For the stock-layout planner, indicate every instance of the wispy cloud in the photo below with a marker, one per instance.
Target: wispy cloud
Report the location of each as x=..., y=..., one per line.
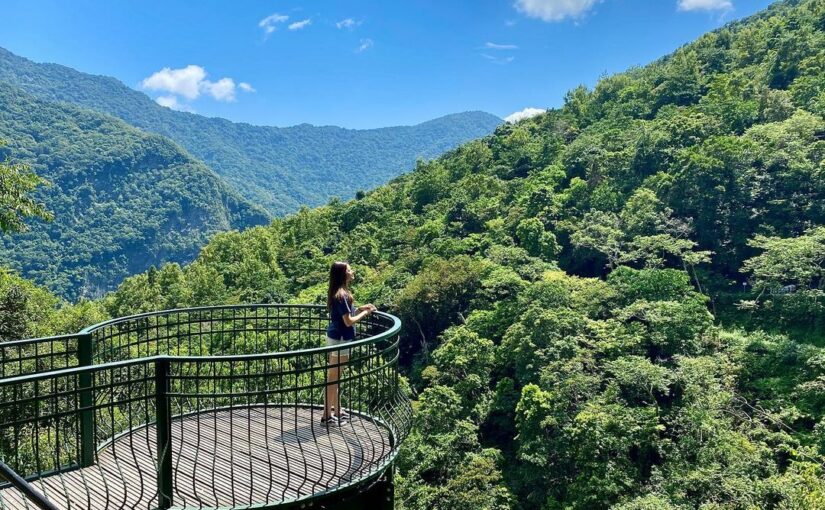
x=271, y=22
x=364, y=45
x=555, y=10
x=298, y=25
x=190, y=83
x=172, y=102
x=705, y=5
x=523, y=114
x=498, y=60
x=347, y=23
x=494, y=46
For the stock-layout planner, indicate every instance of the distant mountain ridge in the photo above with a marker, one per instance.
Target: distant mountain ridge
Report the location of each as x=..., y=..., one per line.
x=123, y=199
x=279, y=169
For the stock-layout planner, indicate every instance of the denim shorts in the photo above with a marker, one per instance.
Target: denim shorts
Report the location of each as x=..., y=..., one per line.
x=341, y=352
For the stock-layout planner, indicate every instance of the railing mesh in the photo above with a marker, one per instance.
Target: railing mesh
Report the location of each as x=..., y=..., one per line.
x=215, y=407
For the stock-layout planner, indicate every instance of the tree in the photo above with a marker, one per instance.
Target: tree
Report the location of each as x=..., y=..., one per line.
x=601, y=232
x=536, y=240
x=25, y=309
x=795, y=261
x=682, y=82
x=789, y=276
x=438, y=296
x=17, y=182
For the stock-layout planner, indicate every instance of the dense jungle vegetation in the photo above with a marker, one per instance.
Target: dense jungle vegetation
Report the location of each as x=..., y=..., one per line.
x=616, y=304
x=279, y=169
x=121, y=199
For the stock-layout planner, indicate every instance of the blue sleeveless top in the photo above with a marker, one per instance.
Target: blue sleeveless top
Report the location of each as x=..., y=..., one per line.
x=337, y=329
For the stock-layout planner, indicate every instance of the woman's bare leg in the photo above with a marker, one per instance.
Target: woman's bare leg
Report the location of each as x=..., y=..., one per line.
x=340, y=373
x=331, y=390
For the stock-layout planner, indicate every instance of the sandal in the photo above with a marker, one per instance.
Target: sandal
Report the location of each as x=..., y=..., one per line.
x=329, y=420
x=343, y=416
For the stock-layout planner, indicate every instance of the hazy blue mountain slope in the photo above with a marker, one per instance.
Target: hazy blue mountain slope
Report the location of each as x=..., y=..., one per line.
x=278, y=168
x=122, y=199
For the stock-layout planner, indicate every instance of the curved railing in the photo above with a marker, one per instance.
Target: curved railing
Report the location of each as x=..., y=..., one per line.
x=213, y=407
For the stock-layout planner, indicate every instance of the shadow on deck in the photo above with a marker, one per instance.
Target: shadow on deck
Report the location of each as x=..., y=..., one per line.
x=225, y=458
x=233, y=396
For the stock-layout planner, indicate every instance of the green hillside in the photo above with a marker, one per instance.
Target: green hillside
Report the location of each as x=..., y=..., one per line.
x=618, y=304
x=557, y=283
x=123, y=200
x=280, y=169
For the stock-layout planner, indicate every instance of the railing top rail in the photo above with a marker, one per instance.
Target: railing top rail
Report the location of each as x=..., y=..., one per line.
x=54, y=374
x=393, y=329
x=26, y=488
x=42, y=339
x=158, y=313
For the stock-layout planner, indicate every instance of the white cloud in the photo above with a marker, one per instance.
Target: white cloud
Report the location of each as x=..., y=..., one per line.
x=221, y=90
x=498, y=60
x=172, y=102
x=347, y=23
x=365, y=45
x=510, y=23
x=185, y=82
x=167, y=101
x=523, y=114
x=705, y=5
x=494, y=46
x=298, y=25
x=189, y=83
x=270, y=23
x=555, y=10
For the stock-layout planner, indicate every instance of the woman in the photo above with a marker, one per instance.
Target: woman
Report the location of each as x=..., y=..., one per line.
x=341, y=329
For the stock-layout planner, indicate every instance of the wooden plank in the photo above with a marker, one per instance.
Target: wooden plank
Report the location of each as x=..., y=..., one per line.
x=229, y=457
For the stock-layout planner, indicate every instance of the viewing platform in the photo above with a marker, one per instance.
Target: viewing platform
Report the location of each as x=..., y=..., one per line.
x=207, y=408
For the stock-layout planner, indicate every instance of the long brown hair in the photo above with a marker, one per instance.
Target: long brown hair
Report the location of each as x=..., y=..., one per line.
x=338, y=289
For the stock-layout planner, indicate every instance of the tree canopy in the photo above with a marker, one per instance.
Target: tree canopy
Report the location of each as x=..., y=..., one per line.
x=17, y=183
x=592, y=298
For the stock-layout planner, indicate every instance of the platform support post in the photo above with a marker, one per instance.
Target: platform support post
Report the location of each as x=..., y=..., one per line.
x=163, y=427
x=85, y=349
x=382, y=494
x=379, y=496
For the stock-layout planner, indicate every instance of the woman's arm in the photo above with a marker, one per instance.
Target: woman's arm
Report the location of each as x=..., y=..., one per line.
x=349, y=320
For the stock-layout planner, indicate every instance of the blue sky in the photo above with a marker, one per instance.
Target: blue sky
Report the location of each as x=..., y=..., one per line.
x=357, y=64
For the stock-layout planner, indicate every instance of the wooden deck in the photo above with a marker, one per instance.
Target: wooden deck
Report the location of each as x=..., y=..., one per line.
x=223, y=458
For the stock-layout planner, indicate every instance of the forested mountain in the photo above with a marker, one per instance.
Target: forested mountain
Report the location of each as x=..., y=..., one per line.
x=122, y=200
x=617, y=304
x=280, y=169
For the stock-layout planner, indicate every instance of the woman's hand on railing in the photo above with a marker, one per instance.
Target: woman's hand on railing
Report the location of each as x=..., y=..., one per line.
x=362, y=312
x=369, y=308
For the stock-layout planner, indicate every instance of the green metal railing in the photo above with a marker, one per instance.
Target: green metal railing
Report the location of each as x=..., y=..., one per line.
x=214, y=407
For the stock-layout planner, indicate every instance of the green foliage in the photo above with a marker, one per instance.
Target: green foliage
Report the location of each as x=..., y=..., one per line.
x=555, y=282
x=16, y=204
x=438, y=295
x=23, y=308
x=122, y=200
x=27, y=311
x=798, y=261
x=789, y=277
x=537, y=241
